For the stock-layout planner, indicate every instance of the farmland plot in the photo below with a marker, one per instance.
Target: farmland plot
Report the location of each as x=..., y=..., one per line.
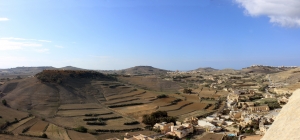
x=71, y=113
x=25, y=125
x=79, y=106
x=80, y=136
x=174, y=107
x=38, y=128
x=188, y=109
x=57, y=133
x=14, y=126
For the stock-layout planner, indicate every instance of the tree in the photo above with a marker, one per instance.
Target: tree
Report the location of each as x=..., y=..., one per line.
x=189, y=91
x=4, y=102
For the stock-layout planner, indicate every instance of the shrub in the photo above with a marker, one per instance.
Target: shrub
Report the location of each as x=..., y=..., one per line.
x=162, y=96
x=95, y=123
x=25, y=129
x=131, y=123
x=44, y=136
x=90, y=119
x=187, y=90
x=81, y=129
x=176, y=101
x=4, y=102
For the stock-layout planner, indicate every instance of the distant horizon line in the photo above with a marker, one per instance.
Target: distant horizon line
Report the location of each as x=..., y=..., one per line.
x=149, y=66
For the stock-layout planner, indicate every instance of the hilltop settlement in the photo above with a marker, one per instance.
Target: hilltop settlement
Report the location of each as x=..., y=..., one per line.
x=143, y=103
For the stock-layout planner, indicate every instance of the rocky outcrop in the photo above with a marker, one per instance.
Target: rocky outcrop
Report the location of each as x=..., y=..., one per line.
x=287, y=123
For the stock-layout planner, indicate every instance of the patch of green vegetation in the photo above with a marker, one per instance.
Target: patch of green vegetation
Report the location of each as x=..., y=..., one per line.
x=131, y=123
x=158, y=116
x=4, y=102
x=81, y=129
x=162, y=96
x=189, y=91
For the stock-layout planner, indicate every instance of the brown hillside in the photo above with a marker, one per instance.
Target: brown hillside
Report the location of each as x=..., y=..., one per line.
x=43, y=94
x=142, y=70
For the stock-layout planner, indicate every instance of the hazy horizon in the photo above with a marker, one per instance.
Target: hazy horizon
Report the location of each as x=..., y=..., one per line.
x=170, y=34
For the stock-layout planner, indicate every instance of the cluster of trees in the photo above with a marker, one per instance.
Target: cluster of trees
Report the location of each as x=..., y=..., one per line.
x=158, y=116
x=58, y=76
x=273, y=105
x=97, y=114
x=96, y=123
x=131, y=123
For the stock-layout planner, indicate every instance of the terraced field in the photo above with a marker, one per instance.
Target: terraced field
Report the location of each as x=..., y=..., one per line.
x=188, y=109
x=57, y=133
x=80, y=136
x=175, y=107
x=38, y=128
x=28, y=124
x=79, y=106
x=15, y=126
x=74, y=113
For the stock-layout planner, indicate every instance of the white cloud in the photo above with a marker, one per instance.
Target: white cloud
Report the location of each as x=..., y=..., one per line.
x=8, y=44
x=42, y=50
x=282, y=12
x=45, y=41
x=4, y=19
x=57, y=46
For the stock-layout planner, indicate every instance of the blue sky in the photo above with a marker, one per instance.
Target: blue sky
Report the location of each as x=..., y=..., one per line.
x=168, y=34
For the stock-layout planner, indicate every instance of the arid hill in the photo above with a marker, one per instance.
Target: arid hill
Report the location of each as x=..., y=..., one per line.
x=264, y=69
x=206, y=69
x=21, y=72
x=291, y=76
x=44, y=93
x=142, y=70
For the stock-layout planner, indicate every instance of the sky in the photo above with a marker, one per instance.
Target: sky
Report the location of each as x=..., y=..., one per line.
x=167, y=34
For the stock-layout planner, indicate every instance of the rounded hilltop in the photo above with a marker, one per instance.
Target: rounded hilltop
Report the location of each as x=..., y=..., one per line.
x=59, y=76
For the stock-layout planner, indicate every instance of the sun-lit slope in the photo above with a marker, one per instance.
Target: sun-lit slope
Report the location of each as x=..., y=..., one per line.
x=151, y=82
x=286, y=125
x=44, y=93
x=291, y=76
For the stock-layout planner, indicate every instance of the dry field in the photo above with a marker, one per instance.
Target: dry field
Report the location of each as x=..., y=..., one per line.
x=57, y=133
x=72, y=113
x=163, y=101
x=80, y=136
x=79, y=106
x=137, y=111
x=29, y=123
x=126, y=95
x=9, y=137
x=151, y=82
x=193, y=114
x=14, y=126
x=174, y=107
x=38, y=128
x=10, y=114
x=188, y=109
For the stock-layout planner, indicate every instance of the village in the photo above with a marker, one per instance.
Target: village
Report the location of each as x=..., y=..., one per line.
x=251, y=106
